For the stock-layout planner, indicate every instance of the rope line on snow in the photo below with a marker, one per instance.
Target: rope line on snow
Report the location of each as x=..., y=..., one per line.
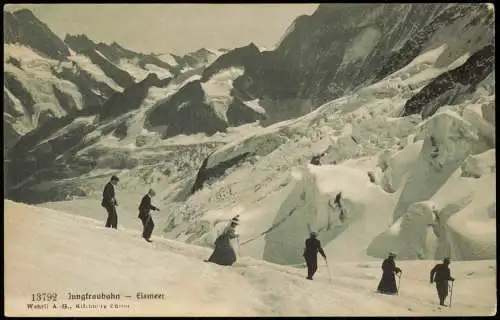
x=274, y=226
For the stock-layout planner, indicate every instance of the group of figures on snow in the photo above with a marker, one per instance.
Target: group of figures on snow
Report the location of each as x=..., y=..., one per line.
x=225, y=254
x=440, y=275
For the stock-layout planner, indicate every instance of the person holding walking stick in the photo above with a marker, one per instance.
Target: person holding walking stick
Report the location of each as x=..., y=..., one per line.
x=441, y=274
x=224, y=252
x=387, y=284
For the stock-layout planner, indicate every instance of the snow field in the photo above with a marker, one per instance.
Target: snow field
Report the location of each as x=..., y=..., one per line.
x=57, y=252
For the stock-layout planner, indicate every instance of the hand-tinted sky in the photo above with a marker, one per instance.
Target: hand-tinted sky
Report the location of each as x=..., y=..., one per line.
x=175, y=28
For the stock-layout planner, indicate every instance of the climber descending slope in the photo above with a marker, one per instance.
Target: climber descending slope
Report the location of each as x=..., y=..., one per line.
x=224, y=253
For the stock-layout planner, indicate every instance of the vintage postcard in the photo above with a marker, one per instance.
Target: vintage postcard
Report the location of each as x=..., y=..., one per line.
x=242, y=160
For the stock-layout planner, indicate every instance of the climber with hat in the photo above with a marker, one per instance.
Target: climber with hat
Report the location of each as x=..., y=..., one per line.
x=387, y=284
x=144, y=214
x=224, y=252
x=109, y=202
x=313, y=246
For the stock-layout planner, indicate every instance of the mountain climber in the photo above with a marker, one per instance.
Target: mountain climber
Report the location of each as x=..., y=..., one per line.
x=109, y=202
x=224, y=253
x=144, y=214
x=338, y=203
x=316, y=159
x=313, y=246
x=387, y=284
x=441, y=274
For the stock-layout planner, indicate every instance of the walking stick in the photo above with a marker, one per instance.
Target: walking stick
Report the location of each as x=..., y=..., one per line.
x=451, y=292
x=329, y=275
x=399, y=283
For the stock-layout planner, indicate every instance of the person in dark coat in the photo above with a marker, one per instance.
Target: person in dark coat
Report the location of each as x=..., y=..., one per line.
x=109, y=202
x=338, y=203
x=224, y=253
x=316, y=159
x=313, y=246
x=144, y=214
x=441, y=275
x=387, y=284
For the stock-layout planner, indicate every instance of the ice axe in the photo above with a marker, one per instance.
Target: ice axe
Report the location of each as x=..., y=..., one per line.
x=328, y=268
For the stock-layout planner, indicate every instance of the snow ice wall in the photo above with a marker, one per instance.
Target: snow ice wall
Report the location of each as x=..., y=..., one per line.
x=309, y=206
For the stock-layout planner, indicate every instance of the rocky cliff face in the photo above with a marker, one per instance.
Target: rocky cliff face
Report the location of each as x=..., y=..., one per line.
x=343, y=47
x=24, y=28
x=448, y=85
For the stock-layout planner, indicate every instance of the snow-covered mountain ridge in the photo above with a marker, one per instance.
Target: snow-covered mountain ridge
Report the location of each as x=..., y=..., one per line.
x=48, y=78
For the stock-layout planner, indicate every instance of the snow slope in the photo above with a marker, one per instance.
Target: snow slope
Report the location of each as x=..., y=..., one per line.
x=57, y=252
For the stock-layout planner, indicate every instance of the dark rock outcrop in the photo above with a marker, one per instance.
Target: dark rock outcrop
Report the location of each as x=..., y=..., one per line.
x=66, y=101
x=473, y=71
x=186, y=113
x=206, y=174
x=131, y=98
x=20, y=92
x=238, y=113
x=94, y=93
x=121, y=77
x=342, y=47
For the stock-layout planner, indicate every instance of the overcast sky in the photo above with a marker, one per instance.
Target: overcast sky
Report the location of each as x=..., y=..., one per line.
x=175, y=28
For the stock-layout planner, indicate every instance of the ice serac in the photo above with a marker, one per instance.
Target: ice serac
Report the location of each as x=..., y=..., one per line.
x=449, y=140
x=24, y=28
x=309, y=206
x=458, y=221
x=411, y=236
x=472, y=230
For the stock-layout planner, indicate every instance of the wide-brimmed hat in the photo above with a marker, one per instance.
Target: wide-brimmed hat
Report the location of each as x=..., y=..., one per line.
x=115, y=178
x=392, y=254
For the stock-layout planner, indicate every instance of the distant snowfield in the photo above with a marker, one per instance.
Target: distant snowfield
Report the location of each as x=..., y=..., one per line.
x=37, y=78
x=97, y=73
x=57, y=252
x=218, y=90
x=168, y=58
x=131, y=66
